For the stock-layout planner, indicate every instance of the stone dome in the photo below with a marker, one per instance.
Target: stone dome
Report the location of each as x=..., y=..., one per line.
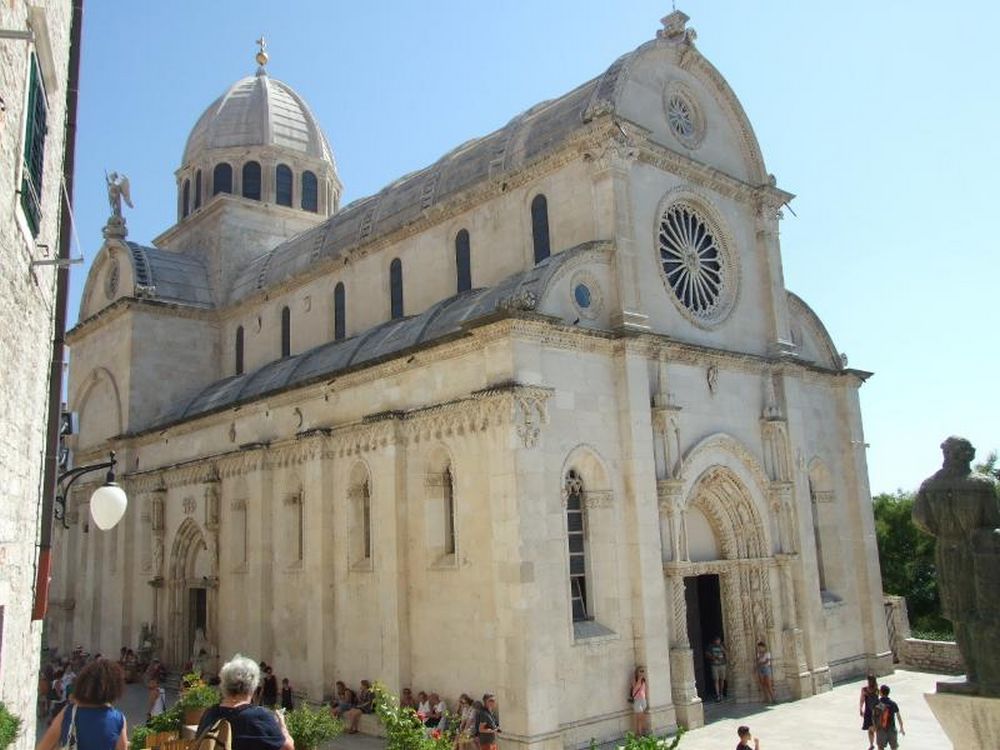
x=259, y=111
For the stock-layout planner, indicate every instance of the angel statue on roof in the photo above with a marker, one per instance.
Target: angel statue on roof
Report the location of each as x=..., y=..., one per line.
x=118, y=190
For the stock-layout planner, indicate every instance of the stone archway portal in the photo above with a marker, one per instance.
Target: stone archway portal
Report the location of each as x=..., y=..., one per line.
x=191, y=595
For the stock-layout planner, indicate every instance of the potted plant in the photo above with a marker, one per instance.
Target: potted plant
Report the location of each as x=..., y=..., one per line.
x=310, y=727
x=195, y=697
x=10, y=725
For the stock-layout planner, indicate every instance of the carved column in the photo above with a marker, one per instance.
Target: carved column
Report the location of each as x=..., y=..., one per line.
x=158, y=530
x=683, y=688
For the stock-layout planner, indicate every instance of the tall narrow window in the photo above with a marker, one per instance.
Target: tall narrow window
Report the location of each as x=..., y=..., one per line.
x=449, y=512
x=540, y=227
x=34, y=150
x=239, y=350
x=251, y=180
x=283, y=185
x=286, y=332
x=339, y=312
x=366, y=520
x=197, y=189
x=463, y=262
x=310, y=192
x=396, y=289
x=186, y=199
x=577, y=540
x=222, y=179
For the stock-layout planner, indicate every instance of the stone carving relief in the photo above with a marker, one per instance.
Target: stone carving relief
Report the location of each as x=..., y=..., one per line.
x=212, y=499
x=671, y=501
x=712, y=378
x=530, y=413
x=189, y=505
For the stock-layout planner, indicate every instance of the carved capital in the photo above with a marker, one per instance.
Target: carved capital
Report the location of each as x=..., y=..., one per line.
x=670, y=495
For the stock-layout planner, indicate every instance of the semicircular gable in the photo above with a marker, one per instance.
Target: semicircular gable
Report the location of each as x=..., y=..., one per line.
x=722, y=134
x=811, y=336
x=111, y=276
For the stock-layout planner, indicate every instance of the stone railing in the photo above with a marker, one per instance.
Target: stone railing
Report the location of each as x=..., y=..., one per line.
x=915, y=653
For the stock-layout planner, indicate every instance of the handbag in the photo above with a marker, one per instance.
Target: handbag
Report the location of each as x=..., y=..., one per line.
x=71, y=734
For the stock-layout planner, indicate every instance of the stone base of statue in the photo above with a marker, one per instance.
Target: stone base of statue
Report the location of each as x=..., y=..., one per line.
x=970, y=721
x=115, y=229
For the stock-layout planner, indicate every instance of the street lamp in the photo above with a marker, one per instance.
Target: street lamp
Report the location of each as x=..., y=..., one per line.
x=107, y=504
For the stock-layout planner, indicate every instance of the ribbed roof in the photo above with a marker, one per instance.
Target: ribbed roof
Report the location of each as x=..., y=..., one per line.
x=529, y=136
x=258, y=111
x=170, y=276
x=441, y=321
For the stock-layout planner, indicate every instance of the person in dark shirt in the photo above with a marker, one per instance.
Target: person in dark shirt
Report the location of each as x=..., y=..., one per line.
x=885, y=716
x=269, y=688
x=287, y=702
x=488, y=723
x=253, y=727
x=746, y=739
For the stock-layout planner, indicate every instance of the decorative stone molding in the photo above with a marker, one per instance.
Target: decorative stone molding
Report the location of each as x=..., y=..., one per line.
x=189, y=505
x=823, y=496
x=238, y=504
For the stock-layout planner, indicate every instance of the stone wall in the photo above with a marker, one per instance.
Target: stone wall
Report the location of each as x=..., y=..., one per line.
x=917, y=653
x=932, y=656
x=26, y=308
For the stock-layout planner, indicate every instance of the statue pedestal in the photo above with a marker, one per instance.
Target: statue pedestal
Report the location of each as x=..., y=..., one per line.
x=970, y=721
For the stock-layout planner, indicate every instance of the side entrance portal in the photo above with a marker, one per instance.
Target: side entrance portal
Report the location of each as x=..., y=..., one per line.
x=703, y=598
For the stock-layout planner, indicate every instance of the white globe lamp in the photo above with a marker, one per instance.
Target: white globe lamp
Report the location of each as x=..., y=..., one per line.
x=107, y=504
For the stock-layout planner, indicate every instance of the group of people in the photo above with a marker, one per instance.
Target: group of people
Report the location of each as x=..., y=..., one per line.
x=718, y=660
x=267, y=693
x=475, y=723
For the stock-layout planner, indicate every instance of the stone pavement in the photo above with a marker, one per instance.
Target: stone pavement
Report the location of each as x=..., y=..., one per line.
x=829, y=720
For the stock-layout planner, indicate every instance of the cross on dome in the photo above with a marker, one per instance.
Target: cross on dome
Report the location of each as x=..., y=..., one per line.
x=262, y=56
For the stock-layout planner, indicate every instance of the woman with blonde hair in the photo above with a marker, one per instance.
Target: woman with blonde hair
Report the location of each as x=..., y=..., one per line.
x=765, y=672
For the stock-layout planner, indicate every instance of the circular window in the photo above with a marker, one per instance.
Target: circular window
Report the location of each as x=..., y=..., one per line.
x=111, y=280
x=585, y=293
x=683, y=116
x=695, y=264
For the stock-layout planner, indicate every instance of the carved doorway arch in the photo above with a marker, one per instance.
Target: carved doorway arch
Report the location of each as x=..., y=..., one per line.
x=191, y=584
x=744, y=568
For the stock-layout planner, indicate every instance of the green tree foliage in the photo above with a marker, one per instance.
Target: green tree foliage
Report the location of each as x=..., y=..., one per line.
x=10, y=725
x=906, y=555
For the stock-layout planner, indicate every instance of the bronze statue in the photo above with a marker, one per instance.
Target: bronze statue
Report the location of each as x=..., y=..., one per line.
x=960, y=507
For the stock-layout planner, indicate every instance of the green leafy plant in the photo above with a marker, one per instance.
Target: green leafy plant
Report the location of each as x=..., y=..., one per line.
x=310, y=727
x=10, y=725
x=196, y=694
x=139, y=736
x=169, y=721
x=403, y=728
x=652, y=742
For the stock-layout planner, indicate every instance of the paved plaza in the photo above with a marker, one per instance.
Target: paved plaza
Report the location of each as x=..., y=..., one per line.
x=829, y=720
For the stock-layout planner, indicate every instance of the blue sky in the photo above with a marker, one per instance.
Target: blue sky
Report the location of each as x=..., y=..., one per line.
x=880, y=116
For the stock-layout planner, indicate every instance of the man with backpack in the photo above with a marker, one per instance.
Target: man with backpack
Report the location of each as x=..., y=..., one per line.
x=885, y=714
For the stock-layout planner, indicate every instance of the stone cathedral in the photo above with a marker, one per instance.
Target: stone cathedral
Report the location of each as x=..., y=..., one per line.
x=535, y=414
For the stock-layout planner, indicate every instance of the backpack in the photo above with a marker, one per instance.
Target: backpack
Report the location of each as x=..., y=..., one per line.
x=219, y=736
x=881, y=716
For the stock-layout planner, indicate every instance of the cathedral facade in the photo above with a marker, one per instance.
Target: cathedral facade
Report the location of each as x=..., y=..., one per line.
x=524, y=419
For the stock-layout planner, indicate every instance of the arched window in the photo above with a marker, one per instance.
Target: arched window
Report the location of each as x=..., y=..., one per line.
x=283, y=185
x=463, y=261
x=360, y=517
x=286, y=332
x=396, y=289
x=239, y=350
x=540, y=227
x=222, y=179
x=186, y=199
x=339, y=312
x=197, y=189
x=576, y=530
x=310, y=192
x=449, y=512
x=251, y=180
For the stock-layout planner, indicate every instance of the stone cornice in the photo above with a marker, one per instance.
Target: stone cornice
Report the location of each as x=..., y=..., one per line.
x=523, y=407
x=123, y=305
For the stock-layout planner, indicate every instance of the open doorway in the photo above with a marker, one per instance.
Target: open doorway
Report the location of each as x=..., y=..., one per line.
x=702, y=595
x=197, y=618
